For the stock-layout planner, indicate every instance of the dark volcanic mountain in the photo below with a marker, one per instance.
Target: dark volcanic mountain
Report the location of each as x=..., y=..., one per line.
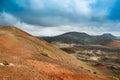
x=108, y=40
x=72, y=37
x=81, y=38
x=106, y=36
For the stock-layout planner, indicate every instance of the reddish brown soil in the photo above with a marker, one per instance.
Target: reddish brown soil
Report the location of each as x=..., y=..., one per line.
x=27, y=54
x=114, y=44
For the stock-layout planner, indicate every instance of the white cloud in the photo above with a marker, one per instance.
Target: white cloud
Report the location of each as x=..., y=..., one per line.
x=90, y=28
x=7, y=19
x=53, y=31
x=82, y=7
x=31, y=4
x=63, y=12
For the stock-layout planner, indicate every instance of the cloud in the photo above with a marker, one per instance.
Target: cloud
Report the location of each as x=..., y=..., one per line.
x=102, y=8
x=62, y=11
x=93, y=28
x=53, y=31
x=7, y=19
x=80, y=6
x=50, y=13
x=53, y=17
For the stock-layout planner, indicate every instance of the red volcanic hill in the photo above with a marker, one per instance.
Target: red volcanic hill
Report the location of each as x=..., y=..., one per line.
x=24, y=57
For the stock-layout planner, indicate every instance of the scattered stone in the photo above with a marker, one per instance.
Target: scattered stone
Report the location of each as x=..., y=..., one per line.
x=1, y=64
x=94, y=72
x=5, y=63
x=11, y=64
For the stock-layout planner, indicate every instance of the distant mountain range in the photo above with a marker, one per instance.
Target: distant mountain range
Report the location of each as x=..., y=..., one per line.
x=106, y=39
x=83, y=38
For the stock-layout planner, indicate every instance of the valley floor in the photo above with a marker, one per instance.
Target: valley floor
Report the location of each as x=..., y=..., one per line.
x=102, y=58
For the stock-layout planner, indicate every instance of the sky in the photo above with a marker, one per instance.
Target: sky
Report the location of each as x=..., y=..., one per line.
x=54, y=17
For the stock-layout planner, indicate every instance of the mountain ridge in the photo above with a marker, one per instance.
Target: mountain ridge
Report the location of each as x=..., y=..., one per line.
x=82, y=38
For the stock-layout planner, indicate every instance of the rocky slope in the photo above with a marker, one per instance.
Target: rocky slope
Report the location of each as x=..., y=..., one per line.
x=24, y=57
